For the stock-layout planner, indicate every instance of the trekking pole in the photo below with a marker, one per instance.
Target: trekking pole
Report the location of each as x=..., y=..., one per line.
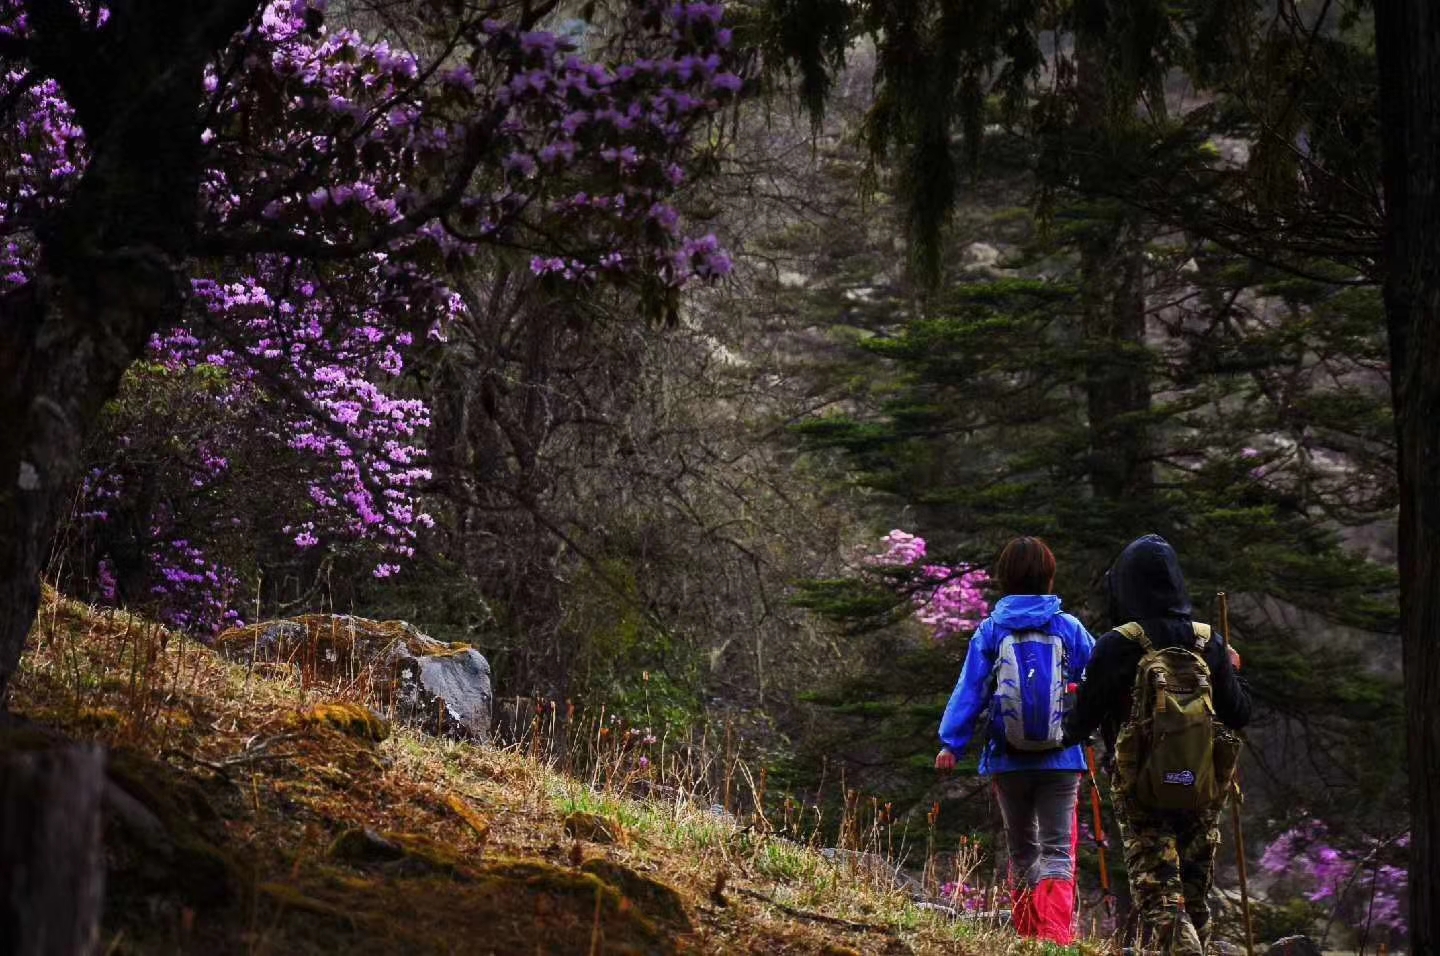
x=1107, y=897
x=1237, y=797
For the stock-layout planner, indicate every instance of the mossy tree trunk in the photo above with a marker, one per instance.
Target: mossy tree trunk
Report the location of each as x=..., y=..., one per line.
x=52, y=871
x=1408, y=44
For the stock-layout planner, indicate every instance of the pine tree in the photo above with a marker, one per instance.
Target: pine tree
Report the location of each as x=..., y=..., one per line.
x=1261, y=167
x=969, y=412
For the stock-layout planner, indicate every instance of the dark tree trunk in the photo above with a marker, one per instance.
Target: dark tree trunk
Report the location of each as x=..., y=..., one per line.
x=1117, y=383
x=111, y=264
x=110, y=270
x=1408, y=47
x=52, y=871
x=65, y=345
x=1112, y=270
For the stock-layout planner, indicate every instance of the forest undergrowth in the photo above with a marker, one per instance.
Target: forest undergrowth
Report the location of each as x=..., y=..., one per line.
x=252, y=810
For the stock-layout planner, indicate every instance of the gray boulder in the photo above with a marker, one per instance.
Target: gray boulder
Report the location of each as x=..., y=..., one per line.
x=1293, y=946
x=442, y=688
x=446, y=693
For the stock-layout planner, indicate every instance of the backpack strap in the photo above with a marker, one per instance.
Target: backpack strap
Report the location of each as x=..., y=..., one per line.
x=1202, y=635
x=1134, y=632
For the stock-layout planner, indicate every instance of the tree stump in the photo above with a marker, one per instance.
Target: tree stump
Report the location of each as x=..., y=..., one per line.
x=52, y=869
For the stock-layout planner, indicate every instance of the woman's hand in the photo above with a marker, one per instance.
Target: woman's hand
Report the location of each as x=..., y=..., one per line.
x=945, y=760
x=1234, y=656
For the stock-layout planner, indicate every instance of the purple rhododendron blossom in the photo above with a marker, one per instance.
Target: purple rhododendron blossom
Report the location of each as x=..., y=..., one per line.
x=969, y=898
x=1350, y=877
x=324, y=137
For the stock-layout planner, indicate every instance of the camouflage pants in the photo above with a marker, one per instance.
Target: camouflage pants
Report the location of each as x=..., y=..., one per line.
x=1170, y=857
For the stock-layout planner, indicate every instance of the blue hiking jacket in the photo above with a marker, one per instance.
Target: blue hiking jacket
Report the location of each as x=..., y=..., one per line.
x=972, y=695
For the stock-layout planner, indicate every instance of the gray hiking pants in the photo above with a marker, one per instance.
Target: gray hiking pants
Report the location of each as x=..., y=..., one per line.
x=1039, y=811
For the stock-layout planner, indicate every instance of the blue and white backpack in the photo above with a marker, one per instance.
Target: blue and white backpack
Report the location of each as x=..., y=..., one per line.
x=1030, y=698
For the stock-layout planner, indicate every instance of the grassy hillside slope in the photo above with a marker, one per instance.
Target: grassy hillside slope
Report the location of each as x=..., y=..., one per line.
x=252, y=814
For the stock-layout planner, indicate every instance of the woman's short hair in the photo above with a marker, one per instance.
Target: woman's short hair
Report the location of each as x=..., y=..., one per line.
x=1026, y=566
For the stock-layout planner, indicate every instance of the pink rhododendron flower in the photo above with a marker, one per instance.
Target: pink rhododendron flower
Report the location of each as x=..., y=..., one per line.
x=948, y=600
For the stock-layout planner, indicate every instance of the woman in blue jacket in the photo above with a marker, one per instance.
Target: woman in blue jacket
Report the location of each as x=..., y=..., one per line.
x=1037, y=781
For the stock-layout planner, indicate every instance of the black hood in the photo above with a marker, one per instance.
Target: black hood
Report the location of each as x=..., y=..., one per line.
x=1145, y=583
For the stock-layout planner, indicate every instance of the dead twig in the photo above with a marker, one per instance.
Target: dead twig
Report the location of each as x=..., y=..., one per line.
x=253, y=752
x=851, y=925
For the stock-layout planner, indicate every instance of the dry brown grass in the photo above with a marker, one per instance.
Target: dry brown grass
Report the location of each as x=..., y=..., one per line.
x=268, y=796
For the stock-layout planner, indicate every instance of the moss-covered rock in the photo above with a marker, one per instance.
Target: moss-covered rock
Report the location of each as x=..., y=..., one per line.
x=398, y=853
x=423, y=854
x=595, y=828
x=574, y=899
x=325, y=645
x=443, y=688
x=661, y=903
x=162, y=835
x=507, y=906
x=362, y=845
x=349, y=718
x=478, y=824
x=289, y=897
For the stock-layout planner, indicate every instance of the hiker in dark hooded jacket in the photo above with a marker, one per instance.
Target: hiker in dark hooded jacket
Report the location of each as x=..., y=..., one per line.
x=1145, y=585
x=1170, y=855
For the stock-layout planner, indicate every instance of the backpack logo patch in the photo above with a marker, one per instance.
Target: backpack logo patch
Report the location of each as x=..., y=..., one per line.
x=1183, y=778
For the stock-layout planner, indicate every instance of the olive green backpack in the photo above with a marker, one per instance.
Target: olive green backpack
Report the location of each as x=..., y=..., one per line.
x=1172, y=754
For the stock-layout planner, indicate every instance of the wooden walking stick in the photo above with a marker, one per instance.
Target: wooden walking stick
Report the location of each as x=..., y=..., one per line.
x=1237, y=797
